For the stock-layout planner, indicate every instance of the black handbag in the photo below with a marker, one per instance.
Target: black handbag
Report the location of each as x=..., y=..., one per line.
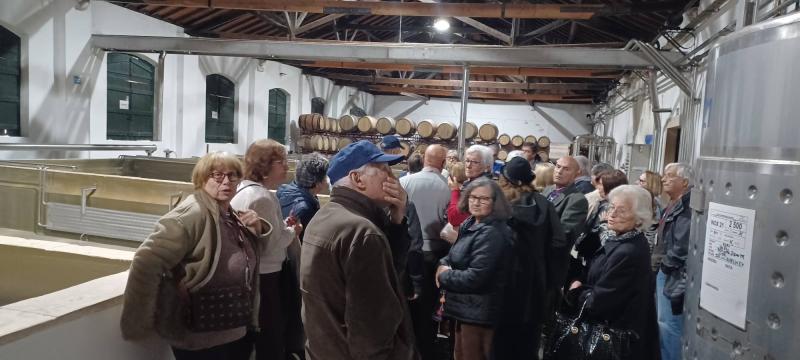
x=580, y=339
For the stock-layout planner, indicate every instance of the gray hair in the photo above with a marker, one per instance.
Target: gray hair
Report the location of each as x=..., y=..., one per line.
x=363, y=170
x=599, y=168
x=642, y=203
x=311, y=170
x=683, y=170
x=501, y=209
x=485, y=153
x=583, y=165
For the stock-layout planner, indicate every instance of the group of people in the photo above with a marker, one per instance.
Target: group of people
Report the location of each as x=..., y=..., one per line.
x=250, y=264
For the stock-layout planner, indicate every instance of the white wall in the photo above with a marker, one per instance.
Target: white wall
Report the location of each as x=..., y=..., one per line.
x=559, y=122
x=92, y=335
x=56, y=48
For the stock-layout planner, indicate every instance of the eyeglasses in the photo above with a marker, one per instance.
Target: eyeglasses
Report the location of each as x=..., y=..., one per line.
x=280, y=162
x=219, y=176
x=472, y=162
x=483, y=200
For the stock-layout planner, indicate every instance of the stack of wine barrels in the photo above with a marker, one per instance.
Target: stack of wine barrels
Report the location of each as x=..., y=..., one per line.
x=488, y=132
x=326, y=134
x=504, y=139
x=385, y=125
x=367, y=124
x=427, y=129
x=516, y=141
x=470, y=130
x=405, y=127
x=446, y=131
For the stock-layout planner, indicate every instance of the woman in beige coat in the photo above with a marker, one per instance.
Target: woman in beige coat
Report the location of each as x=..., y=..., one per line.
x=200, y=252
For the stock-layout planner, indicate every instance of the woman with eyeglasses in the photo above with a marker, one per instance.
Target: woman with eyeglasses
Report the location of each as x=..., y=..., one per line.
x=193, y=280
x=473, y=273
x=265, y=168
x=478, y=162
x=617, y=288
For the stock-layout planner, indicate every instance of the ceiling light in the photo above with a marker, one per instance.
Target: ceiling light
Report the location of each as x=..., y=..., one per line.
x=441, y=25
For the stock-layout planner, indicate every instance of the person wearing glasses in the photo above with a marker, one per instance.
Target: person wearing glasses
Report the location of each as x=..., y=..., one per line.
x=616, y=289
x=478, y=162
x=265, y=168
x=473, y=274
x=200, y=252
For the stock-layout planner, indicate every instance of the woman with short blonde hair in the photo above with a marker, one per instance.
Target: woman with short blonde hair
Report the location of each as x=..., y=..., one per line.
x=544, y=175
x=175, y=288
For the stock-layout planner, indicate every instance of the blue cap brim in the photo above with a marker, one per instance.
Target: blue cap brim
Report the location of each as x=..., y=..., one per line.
x=386, y=158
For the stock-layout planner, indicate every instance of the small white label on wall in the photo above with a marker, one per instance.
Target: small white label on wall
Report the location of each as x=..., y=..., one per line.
x=124, y=104
x=726, y=262
x=214, y=115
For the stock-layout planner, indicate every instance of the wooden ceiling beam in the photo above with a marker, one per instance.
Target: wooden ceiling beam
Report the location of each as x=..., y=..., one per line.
x=483, y=70
x=389, y=8
x=483, y=95
x=477, y=84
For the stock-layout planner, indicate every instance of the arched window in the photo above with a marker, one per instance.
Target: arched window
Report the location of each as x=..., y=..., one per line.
x=131, y=89
x=357, y=111
x=318, y=105
x=9, y=83
x=277, y=115
x=220, y=99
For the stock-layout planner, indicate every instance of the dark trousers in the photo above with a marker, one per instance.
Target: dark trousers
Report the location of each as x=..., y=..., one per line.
x=517, y=341
x=423, y=308
x=236, y=350
x=279, y=316
x=270, y=342
x=473, y=342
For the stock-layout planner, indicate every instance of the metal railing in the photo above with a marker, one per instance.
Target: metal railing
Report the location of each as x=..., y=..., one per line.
x=79, y=147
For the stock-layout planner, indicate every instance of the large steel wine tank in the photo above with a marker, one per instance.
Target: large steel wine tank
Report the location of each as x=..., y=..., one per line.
x=743, y=286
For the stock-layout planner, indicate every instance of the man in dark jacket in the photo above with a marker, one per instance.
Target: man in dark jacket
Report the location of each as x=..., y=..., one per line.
x=584, y=180
x=669, y=256
x=570, y=204
x=299, y=198
x=354, y=306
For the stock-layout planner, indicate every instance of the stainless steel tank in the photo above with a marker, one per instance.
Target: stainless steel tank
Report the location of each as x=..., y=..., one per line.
x=749, y=161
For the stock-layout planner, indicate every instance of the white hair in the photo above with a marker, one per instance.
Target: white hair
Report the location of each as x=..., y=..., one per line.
x=485, y=153
x=513, y=154
x=641, y=203
x=365, y=169
x=681, y=169
x=583, y=165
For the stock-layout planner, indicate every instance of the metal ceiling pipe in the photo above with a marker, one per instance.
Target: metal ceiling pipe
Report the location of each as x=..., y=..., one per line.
x=462, y=123
x=406, y=53
x=655, y=149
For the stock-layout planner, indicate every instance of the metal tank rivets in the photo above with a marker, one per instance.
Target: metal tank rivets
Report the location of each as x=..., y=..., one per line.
x=752, y=192
x=777, y=280
x=782, y=238
x=786, y=196
x=773, y=321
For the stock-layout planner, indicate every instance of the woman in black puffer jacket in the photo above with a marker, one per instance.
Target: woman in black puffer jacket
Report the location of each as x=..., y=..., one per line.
x=474, y=271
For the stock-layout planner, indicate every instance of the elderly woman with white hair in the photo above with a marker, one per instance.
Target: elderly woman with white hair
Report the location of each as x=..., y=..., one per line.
x=617, y=288
x=478, y=161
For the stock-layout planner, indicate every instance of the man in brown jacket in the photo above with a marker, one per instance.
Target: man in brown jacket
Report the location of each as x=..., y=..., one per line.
x=353, y=302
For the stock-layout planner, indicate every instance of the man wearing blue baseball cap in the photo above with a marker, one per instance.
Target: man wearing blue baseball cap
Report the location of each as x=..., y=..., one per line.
x=353, y=302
